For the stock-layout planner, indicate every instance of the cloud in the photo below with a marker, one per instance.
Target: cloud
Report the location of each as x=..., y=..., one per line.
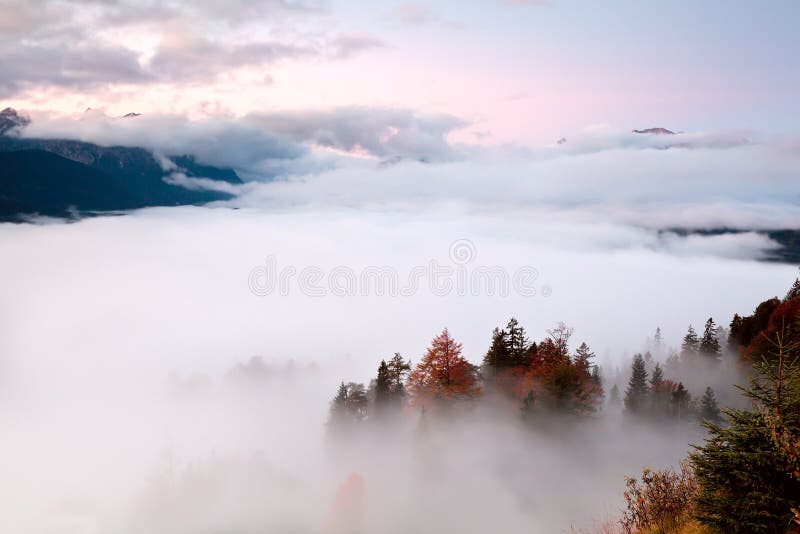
x=263, y=146
x=98, y=44
x=749, y=186
x=411, y=14
x=386, y=134
x=72, y=65
x=602, y=137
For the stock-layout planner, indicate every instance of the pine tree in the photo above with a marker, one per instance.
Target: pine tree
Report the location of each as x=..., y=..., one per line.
x=690, y=343
x=497, y=359
x=383, y=387
x=398, y=368
x=597, y=386
x=583, y=357
x=338, y=409
x=709, y=410
x=636, y=394
x=747, y=481
x=679, y=401
x=613, y=396
x=709, y=345
x=347, y=408
x=597, y=378
x=794, y=291
x=517, y=344
x=657, y=339
x=657, y=378
x=659, y=391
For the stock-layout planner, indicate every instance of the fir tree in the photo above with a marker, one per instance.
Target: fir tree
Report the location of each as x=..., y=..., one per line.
x=709, y=345
x=747, y=481
x=679, y=401
x=658, y=342
x=338, y=410
x=636, y=394
x=383, y=387
x=597, y=385
x=613, y=396
x=516, y=342
x=597, y=379
x=583, y=357
x=497, y=359
x=398, y=368
x=690, y=343
x=348, y=407
x=709, y=410
x=657, y=378
x=659, y=391
x=794, y=291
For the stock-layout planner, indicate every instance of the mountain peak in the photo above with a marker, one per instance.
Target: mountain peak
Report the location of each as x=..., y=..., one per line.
x=654, y=131
x=9, y=118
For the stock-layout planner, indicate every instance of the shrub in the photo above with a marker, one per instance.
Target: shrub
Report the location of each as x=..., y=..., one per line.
x=660, y=502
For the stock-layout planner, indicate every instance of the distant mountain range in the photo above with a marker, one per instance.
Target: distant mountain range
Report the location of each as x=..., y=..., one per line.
x=62, y=177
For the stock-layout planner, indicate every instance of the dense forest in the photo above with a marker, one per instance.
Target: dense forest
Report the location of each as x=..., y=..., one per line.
x=744, y=477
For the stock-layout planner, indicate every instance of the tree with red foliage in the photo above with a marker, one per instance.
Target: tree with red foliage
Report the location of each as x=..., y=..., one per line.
x=442, y=375
x=784, y=319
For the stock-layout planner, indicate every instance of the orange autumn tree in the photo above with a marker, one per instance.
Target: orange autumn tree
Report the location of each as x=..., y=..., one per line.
x=442, y=375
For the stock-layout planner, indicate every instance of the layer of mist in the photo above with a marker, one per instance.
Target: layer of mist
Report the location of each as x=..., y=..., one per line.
x=120, y=411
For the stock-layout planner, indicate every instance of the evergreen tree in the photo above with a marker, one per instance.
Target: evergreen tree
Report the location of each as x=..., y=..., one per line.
x=517, y=344
x=338, y=410
x=397, y=369
x=383, y=387
x=597, y=385
x=679, y=401
x=498, y=358
x=636, y=394
x=747, y=481
x=657, y=378
x=658, y=342
x=613, y=396
x=794, y=291
x=690, y=343
x=583, y=357
x=709, y=410
x=348, y=407
x=597, y=379
x=709, y=345
x=659, y=391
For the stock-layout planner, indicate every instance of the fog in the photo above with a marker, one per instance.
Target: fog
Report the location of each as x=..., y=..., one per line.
x=119, y=411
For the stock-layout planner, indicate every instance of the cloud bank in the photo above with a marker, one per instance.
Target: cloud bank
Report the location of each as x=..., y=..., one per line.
x=80, y=45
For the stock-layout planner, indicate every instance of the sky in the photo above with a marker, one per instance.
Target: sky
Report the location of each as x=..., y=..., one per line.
x=514, y=71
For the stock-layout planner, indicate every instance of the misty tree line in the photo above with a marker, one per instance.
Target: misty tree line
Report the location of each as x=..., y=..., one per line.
x=745, y=478
x=655, y=396
x=541, y=377
x=537, y=377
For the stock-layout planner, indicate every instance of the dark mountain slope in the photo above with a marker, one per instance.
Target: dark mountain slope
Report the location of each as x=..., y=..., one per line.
x=55, y=186
x=134, y=166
